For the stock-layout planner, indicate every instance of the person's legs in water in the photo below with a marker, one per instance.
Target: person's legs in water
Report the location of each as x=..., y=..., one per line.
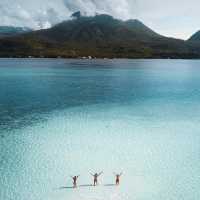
x=74, y=183
x=117, y=181
x=95, y=182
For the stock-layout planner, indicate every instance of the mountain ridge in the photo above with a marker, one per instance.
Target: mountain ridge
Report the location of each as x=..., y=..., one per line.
x=195, y=37
x=9, y=31
x=98, y=36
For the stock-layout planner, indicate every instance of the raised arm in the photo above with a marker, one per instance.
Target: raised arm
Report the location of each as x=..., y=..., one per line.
x=100, y=173
x=121, y=173
x=91, y=174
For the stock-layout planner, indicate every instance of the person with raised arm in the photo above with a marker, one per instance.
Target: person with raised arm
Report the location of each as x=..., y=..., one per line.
x=75, y=178
x=96, y=175
x=117, y=180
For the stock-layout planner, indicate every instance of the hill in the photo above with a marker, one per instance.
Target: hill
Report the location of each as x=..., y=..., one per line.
x=98, y=36
x=8, y=31
x=195, y=37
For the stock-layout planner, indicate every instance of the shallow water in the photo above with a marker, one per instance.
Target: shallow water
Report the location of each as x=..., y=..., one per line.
x=66, y=117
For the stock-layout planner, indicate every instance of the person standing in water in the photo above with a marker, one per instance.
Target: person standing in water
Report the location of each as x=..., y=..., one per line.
x=74, y=178
x=117, y=180
x=96, y=175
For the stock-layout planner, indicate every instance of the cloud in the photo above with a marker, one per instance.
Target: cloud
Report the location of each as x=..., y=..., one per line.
x=178, y=18
x=118, y=8
x=18, y=13
x=47, y=18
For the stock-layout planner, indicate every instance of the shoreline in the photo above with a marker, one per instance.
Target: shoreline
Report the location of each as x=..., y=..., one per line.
x=100, y=58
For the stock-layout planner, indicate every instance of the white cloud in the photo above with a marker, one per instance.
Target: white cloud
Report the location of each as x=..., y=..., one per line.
x=118, y=8
x=36, y=15
x=179, y=18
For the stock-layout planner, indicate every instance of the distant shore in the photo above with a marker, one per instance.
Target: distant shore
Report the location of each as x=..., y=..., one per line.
x=93, y=58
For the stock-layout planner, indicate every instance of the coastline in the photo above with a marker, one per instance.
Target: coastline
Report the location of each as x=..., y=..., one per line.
x=102, y=58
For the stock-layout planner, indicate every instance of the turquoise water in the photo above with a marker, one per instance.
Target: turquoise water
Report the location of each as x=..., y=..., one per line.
x=67, y=117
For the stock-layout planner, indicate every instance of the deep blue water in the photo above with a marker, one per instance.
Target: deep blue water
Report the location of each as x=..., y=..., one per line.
x=41, y=86
x=59, y=117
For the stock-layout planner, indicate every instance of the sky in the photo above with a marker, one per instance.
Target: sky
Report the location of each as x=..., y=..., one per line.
x=173, y=18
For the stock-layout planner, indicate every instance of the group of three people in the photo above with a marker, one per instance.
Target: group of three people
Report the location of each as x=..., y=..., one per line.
x=95, y=180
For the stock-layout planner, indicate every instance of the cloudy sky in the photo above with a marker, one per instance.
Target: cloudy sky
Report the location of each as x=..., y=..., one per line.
x=175, y=18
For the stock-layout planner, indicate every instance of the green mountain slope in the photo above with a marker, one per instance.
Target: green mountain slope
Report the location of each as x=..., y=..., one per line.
x=98, y=36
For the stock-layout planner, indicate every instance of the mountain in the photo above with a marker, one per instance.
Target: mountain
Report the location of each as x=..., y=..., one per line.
x=7, y=31
x=98, y=36
x=195, y=37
